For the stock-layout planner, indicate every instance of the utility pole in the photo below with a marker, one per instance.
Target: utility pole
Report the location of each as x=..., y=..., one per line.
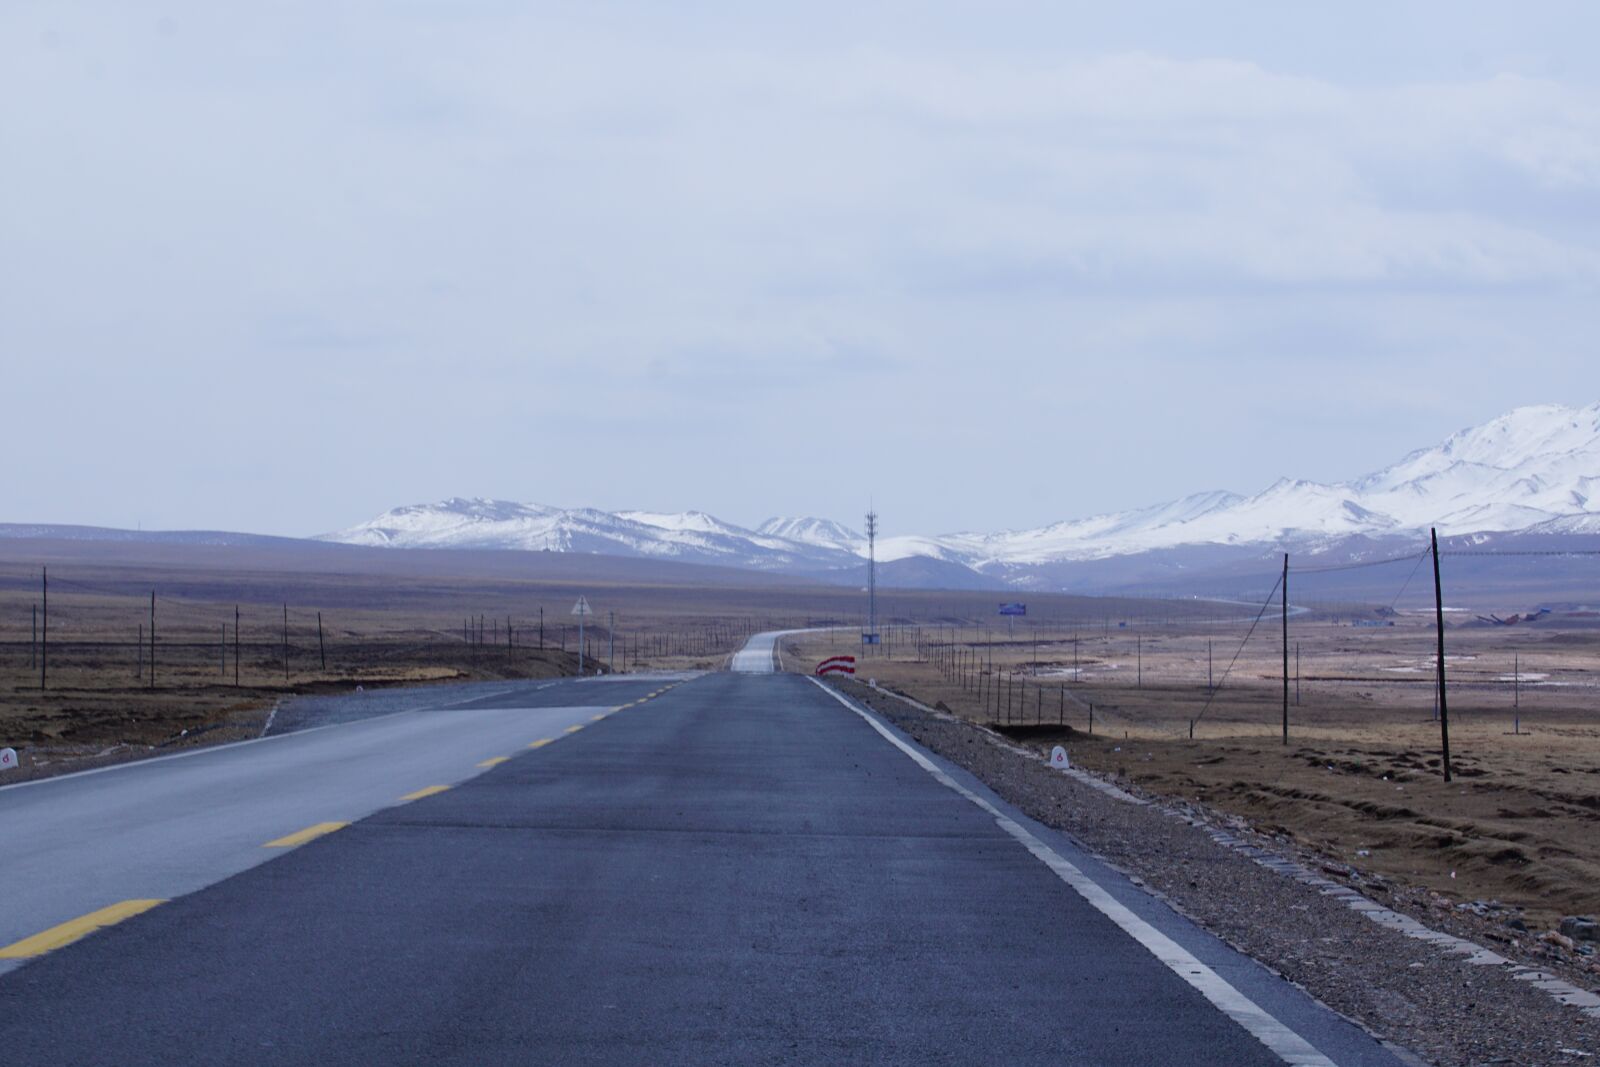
x=44, y=630
x=286, y=641
x=611, y=642
x=1284, y=599
x=152, y=639
x=872, y=577
x=541, y=627
x=322, y=650
x=236, y=645
x=1516, y=693
x=1438, y=621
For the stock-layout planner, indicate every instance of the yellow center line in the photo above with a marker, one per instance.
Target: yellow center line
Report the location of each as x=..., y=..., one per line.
x=493, y=761
x=70, y=931
x=300, y=837
x=600, y=716
x=574, y=729
x=426, y=791
x=543, y=741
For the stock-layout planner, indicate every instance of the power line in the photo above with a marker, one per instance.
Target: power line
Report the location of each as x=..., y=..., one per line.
x=1359, y=566
x=1521, y=552
x=1264, y=606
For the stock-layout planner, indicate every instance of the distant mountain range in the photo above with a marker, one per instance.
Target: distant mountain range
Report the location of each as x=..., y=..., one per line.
x=1528, y=477
x=1535, y=470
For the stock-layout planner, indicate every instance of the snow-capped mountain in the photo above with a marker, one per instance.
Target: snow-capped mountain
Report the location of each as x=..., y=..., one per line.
x=478, y=523
x=1534, y=469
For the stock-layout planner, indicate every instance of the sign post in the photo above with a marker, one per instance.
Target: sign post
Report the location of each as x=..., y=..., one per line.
x=1011, y=611
x=582, y=610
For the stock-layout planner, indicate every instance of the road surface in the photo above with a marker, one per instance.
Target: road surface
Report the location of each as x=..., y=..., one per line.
x=154, y=830
x=740, y=869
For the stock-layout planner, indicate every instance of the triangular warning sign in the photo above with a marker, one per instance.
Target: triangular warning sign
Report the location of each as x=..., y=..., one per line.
x=582, y=607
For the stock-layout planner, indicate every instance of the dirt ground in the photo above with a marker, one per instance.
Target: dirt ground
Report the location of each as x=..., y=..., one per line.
x=1360, y=779
x=300, y=617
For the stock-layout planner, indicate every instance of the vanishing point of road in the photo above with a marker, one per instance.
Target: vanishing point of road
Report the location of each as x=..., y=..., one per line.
x=739, y=867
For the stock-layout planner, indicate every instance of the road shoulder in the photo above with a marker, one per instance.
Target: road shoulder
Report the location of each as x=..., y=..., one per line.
x=1445, y=1008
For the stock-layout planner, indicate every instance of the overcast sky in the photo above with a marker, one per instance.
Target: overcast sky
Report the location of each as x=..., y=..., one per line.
x=279, y=267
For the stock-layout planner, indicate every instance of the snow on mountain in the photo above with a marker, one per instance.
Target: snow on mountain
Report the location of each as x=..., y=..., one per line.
x=478, y=523
x=1527, y=467
x=1533, y=468
x=823, y=532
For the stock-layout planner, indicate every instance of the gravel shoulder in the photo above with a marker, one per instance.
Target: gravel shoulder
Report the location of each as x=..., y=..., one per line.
x=1440, y=1007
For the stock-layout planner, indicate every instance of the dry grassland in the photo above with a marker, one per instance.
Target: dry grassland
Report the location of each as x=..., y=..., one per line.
x=388, y=618
x=1360, y=777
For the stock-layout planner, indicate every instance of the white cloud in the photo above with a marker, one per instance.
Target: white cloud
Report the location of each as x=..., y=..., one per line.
x=424, y=204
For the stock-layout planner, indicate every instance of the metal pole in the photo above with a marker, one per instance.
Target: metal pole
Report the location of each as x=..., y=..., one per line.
x=580, y=645
x=44, y=630
x=236, y=644
x=152, y=639
x=1438, y=621
x=872, y=573
x=1285, y=603
x=611, y=638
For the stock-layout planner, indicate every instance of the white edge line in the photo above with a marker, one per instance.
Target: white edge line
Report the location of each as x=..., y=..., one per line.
x=1284, y=1042
x=1563, y=992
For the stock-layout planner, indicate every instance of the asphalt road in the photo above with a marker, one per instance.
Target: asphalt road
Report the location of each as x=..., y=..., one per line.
x=739, y=870
x=757, y=655
x=154, y=830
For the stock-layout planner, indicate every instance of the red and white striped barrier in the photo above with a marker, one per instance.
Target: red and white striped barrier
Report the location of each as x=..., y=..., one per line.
x=837, y=665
